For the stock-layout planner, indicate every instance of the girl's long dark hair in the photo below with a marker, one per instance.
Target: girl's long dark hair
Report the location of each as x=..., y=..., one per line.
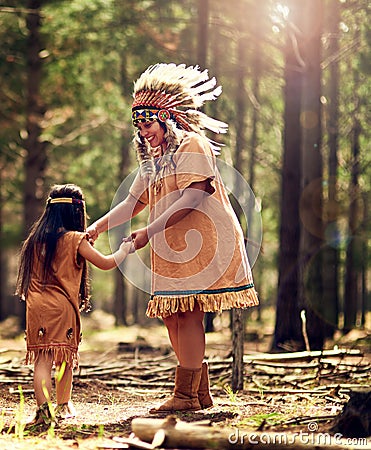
x=56, y=220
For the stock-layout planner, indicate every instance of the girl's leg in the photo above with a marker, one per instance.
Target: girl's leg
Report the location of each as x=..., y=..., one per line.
x=42, y=380
x=63, y=383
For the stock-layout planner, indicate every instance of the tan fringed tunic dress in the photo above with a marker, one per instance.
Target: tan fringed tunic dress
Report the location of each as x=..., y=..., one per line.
x=202, y=258
x=52, y=311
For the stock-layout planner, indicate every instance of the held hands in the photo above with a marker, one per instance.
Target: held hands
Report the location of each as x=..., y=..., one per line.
x=92, y=233
x=128, y=242
x=140, y=238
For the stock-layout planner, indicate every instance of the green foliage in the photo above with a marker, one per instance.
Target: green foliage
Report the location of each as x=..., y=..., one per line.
x=94, y=49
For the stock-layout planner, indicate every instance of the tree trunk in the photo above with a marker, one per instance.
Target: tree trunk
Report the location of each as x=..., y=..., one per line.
x=287, y=334
x=36, y=157
x=202, y=46
x=2, y=265
x=120, y=296
x=238, y=337
x=353, y=253
x=364, y=258
x=311, y=202
x=120, y=299
x=203, y=28
x=238, y=314
x=331, y=209
x=252, y=229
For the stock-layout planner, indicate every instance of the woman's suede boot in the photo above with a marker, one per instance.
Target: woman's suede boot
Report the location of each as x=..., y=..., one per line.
x=185, y=398
x=204, y=394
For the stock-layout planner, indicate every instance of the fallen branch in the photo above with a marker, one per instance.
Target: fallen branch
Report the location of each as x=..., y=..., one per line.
x=172, y=433
x=300, y=355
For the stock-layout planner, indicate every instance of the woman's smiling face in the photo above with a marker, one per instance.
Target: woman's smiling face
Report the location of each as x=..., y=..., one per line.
x=152, y=132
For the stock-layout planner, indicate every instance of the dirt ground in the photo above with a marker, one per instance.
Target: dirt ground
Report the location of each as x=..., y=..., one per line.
x=126, y=371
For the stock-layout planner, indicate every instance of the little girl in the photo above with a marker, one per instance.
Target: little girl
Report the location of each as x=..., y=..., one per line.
x=53, y=281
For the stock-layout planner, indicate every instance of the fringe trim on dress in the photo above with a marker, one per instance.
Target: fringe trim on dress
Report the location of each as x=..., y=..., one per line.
x=165, y=306
x=59, y=353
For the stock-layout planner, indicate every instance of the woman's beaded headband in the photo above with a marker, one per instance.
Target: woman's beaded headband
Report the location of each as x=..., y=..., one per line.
x=148, y=114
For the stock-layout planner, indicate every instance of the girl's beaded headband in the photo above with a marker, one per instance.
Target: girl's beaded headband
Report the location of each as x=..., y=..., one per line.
x=64, y=200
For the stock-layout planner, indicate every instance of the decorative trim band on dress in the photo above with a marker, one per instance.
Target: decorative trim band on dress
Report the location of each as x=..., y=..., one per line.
x=162, y=305
x=60, y=353
x=207, y=291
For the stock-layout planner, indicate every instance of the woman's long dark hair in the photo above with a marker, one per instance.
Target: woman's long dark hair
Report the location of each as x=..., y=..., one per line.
x=56, y=220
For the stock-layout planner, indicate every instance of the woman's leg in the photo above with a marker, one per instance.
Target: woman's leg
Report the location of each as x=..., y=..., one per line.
x=187, y=337
x=171, y=324
x=42, y=380
x=191, y=339
x=63, y=383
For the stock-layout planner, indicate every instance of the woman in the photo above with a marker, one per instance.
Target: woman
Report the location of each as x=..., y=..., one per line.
x=198, y=258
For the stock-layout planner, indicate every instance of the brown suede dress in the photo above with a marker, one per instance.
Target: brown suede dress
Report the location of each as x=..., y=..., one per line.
x=52, y=310
x=201, y=259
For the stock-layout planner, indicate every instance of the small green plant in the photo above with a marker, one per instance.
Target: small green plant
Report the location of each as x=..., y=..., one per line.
x=111, y=398
x=51, y=432
x=19, y=424
x=2, y=421
x=101, y=431
x=232, y=395
x=59, y=372
x=260, y=387
x=258, y=419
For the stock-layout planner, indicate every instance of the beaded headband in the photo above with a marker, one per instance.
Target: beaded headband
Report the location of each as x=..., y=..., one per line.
x=149, y=114
x=65, y=200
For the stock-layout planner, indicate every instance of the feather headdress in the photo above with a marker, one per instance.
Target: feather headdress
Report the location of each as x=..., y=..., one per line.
x=172, y=94
x=175, y=92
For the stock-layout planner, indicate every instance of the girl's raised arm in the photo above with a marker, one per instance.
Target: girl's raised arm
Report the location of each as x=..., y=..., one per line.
x=105, y=262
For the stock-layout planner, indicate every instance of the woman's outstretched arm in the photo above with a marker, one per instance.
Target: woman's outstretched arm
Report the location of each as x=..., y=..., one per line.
x=191, y=197
x=120, y=214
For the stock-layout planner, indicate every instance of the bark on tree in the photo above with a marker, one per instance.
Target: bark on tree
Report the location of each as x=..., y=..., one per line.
x=288, y=327
x=2, y=265
x=241, y=107
x=238, y=337
x=120, y=306
x=120, y=295
x=365, y=229
x=352, y=294
x=36, y=158
x=311, y=202
x=203, y=28
x=252, y=228
x=354, y=250
x=202, y=50
x=120, y=299
x=331, y=207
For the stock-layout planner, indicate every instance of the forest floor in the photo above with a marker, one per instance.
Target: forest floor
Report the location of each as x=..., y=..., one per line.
x=127, y=370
